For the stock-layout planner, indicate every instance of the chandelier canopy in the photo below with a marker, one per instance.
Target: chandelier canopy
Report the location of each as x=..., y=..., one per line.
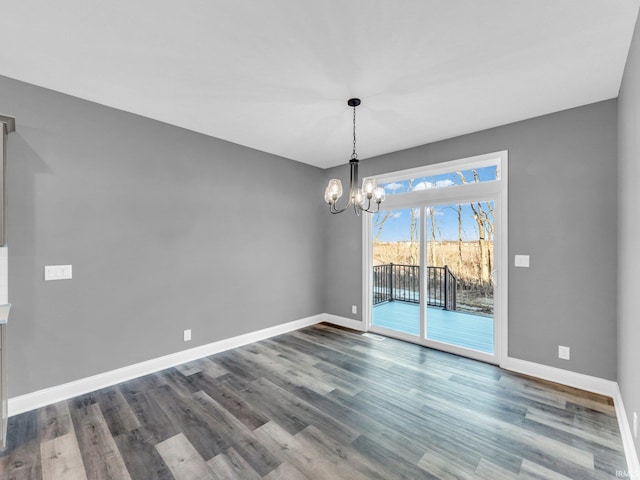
x=363, y=199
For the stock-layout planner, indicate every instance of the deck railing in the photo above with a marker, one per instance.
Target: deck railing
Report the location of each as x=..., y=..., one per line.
x=402, y=282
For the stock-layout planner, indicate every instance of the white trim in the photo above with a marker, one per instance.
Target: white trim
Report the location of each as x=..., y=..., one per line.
x=434, y=196
x=633, y=465
x=47, y=396
x=502, y=247
x=367, y=273
x=559, y=375
x=439, y=168
x=344, y=322
x=423, y=266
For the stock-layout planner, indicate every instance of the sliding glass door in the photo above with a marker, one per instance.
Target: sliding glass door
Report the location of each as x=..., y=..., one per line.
x=433, y=257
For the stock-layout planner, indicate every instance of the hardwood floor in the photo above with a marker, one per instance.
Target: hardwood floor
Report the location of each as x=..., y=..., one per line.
x=321, y=403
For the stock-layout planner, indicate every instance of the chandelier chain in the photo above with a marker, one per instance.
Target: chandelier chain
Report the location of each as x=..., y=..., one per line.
x=354, y=155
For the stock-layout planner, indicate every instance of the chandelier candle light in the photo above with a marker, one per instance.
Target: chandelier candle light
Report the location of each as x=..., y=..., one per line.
x=362, y=199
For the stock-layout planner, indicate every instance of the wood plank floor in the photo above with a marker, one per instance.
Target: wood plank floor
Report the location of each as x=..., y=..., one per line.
x=321, y=403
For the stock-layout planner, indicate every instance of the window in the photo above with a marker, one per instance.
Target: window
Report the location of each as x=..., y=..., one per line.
x=449, y=179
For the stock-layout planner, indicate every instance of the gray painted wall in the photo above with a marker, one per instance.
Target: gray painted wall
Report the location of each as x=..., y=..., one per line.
x=166, y=230
x=629, y=233
x=562, y=212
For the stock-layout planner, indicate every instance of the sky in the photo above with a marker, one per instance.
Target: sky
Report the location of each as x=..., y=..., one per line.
x=397, y=226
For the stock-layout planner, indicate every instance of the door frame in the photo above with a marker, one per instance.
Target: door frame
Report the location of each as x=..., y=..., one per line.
x=496, y=191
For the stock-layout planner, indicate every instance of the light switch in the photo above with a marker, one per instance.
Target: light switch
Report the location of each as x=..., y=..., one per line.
x=522, y=261
x=58, y=272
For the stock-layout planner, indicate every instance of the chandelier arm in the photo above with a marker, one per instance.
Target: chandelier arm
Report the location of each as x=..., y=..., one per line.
x=334, y=210
x=368, y=209
x=346, y=205
x=357, y=209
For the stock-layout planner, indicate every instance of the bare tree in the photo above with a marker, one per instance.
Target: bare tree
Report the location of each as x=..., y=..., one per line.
x=480, y=217
x=414, y=234
x=458, y=209
x=380, y=223
x=484, y=220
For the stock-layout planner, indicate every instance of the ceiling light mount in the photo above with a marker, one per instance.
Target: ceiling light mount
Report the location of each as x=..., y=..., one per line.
x=363, y=199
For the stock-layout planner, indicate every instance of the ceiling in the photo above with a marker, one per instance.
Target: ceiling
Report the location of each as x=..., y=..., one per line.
x=275, y=75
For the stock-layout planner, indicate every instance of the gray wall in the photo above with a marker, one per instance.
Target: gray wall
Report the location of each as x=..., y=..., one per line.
x=166, y=230
x=562, y=212
x=629, y=233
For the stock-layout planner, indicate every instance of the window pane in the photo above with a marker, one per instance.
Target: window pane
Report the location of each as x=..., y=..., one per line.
x=396, y=270
x=475, y=175
x=459, y=282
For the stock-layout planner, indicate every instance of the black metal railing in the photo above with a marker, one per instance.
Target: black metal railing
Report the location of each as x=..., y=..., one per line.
x=402, y=282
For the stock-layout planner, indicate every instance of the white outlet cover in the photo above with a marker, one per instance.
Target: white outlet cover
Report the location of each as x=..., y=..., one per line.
x=564, y=352
x=522, y=261
x=187, y=335
x=354, y=309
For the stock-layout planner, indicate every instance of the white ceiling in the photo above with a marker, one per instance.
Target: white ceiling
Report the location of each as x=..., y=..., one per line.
x=275, y=74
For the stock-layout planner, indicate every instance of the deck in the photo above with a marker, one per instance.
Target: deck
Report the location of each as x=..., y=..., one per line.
x=455, y=328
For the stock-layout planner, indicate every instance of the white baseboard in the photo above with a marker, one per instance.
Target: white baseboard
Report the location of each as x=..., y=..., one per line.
x=627, y=438
x=47, y=396
x=558, y=375
x=344, y=322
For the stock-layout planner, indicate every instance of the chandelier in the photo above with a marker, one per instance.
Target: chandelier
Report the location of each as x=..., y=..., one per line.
x=363, y=199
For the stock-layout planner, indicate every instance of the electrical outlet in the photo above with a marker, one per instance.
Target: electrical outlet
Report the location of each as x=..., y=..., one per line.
x=564, y=352
x=354, y=309
x=635, y=424
x=187, y=335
